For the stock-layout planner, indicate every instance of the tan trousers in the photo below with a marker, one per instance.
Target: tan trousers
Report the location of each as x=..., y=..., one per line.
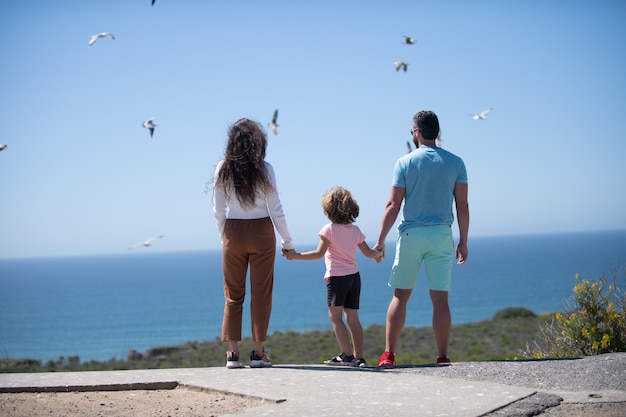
x=248, y=243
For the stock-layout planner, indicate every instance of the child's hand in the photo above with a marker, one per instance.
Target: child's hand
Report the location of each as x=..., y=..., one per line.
x=288, y=253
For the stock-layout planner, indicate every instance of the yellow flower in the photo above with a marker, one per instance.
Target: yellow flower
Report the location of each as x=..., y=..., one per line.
x=594, y=346
x=577, y=276
x=611, y=307
x=585, y=332
x=538, y=355
x=563, y=332
x=558, y=316
x=605, y=340
x=578, y=288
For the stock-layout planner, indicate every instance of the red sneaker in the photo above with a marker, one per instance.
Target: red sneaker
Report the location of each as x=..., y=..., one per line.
x=387, y=359
x=443, y=359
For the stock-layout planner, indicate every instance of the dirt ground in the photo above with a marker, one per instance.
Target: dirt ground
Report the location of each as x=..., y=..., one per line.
x=137, y=403
x=586, y=410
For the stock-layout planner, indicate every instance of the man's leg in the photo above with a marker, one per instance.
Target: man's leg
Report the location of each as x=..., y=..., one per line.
x=442, y=320
x=396, y=316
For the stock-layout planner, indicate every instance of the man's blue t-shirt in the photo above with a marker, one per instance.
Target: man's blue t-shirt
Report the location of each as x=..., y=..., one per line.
x=428, y=175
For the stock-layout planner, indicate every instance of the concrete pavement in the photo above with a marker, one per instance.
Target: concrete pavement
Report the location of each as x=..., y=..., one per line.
x=472, y=389
x=299, y=390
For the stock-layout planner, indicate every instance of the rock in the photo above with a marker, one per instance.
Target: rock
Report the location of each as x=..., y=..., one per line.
x=133, y=355
x=161, y=353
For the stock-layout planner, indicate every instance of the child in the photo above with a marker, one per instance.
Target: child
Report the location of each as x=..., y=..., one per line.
x=338, y=243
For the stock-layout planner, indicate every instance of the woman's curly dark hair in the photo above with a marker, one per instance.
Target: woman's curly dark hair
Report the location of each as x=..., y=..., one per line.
x=243, y=169
x=339, y=206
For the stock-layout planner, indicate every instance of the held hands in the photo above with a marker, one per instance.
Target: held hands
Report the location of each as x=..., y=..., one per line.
x=380, y=248
x=288, y=253
x=379, y=259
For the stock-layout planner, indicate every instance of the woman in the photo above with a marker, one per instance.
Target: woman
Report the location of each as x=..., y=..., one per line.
x=247, y=208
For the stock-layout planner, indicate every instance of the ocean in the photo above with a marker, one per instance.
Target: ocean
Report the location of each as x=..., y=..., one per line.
x=100, y=307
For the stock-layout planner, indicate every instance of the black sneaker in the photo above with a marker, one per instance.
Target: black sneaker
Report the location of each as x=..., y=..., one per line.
x=259, y=360
x=341, y=360
x=360, y=363
x=232, y=360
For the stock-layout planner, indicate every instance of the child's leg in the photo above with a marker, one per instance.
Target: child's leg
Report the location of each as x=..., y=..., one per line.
x=341, y=332
x=356, y=331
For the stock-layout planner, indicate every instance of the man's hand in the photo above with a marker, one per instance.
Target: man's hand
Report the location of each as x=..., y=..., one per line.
x=461, y=253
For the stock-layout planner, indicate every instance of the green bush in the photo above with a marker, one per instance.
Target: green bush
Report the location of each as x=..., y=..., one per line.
x=514, y=313
x=595, y=324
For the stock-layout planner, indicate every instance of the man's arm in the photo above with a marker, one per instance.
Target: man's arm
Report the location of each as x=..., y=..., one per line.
x=392, y=208
x=462, y=218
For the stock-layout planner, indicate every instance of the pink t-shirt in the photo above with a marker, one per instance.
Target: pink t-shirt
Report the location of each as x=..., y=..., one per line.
x=340, y=257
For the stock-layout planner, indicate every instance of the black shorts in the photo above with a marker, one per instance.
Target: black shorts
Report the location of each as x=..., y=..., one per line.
x=344, y=291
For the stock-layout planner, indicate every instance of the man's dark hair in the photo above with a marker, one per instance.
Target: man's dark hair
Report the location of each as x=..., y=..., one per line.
x=428, y=123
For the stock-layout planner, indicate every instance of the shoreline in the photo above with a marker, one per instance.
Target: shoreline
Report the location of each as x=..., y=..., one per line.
x=508, y=332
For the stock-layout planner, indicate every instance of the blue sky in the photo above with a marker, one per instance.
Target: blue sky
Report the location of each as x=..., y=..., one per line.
x=81, y=176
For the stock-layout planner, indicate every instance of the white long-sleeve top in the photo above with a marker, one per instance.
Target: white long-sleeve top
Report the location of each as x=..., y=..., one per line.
x=228, y=207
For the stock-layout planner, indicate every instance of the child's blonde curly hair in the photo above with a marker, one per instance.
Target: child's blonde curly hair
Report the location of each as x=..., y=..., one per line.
x=339, y=206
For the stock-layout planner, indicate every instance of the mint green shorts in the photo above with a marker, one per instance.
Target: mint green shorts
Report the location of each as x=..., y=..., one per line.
x=431, y=245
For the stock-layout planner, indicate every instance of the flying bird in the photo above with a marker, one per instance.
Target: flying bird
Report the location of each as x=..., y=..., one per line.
x=145, y=243
x=400, y=65
x=273, y=124
x=94, y=38
x=482, y=115
x=149, y=125
x=408, y=40
x=408, y=147
x=3, y=147
x=153, y=2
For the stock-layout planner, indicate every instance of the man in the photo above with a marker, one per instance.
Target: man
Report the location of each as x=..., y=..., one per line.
x=428, y=180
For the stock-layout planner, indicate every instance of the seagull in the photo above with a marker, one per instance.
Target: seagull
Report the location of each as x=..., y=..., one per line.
x=94, y=38
x=272, y=125
x=482, y=115
x=149, y=125
x=3, y=147
x=401, y=65
x=153, y=2
x=145, y=243
x=408, y=40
